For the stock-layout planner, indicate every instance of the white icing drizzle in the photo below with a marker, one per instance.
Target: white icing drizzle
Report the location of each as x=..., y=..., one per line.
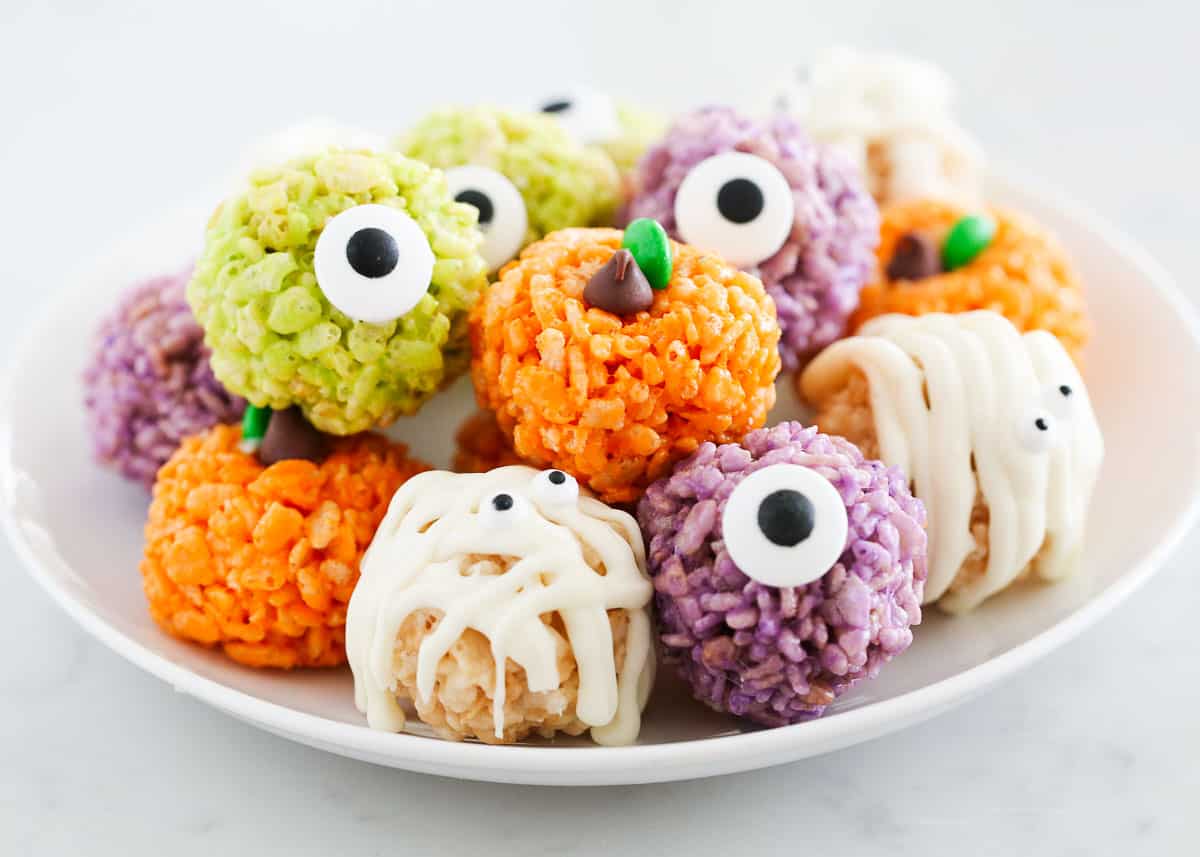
x=436, y=523
x=984, y=381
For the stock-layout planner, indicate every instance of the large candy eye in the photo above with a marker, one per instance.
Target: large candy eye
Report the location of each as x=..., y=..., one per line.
x=555, y=488
x=588, y=116
x=373, y=262
x=502, y=216
x=502, y=509
x=1038, y=430
x=737, y=205
x=785, y=525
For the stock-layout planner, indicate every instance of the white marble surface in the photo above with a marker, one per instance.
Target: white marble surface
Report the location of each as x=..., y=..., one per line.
x=109, y=113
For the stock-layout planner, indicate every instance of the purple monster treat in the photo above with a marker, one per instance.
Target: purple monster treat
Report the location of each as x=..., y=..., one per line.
x=786, y=569
x=149, y=384
x=764, y=196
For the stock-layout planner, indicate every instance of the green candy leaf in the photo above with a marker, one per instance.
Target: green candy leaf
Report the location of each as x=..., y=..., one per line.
x=967, y=238
x=651, y=249
x=254, y=426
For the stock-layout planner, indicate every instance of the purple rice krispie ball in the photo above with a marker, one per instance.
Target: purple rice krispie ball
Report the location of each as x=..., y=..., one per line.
x=786, y=569
x=767, y=198
x=149, y=384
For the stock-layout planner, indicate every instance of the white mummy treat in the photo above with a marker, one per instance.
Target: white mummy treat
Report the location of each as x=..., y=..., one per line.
x=994, y=428
x=893, y=116
x=503, y=604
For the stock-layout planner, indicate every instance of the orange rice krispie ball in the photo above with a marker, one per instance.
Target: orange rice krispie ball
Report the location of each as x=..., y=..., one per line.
x=480, y=446
x=1023, y=273
x=616, y=399
x=262, y=560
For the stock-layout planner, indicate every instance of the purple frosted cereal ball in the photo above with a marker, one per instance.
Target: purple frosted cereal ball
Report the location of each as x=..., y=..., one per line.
x=149, y=385
x=786, y=569
x=764, y=196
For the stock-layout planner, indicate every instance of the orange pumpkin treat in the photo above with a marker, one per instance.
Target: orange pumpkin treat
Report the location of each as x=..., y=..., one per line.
x=935, y=257
x=480, y=446
x=614, y=362
x=261, y=560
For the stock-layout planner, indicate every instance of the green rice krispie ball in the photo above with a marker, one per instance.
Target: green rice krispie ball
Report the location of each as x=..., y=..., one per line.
x=526, y=174
x=341, y=283
x=638, y=130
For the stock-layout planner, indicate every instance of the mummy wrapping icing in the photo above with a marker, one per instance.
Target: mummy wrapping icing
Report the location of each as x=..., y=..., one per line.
x=765, y=197
x=786, y=569
x=615, y=399
x=893, y=116
x=524, y=172
x=937, y=257
x=503, y=604
x=339, y=282
x=995, y=429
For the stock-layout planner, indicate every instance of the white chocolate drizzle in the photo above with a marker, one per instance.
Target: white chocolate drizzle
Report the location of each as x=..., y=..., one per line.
x=570, y=554
x=988, y=388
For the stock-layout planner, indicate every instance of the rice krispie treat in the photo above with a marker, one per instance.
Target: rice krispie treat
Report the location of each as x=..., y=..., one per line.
x=260, y=558
x=513, y=567
x=612, y=362
x=149, y=385
x=765, y=197
x=893, y=116
x=523, y=171
x=936, y=257
x=994, y=428
x=596, y=119
x=786, y=569
x=480, y=445
x=339, y=282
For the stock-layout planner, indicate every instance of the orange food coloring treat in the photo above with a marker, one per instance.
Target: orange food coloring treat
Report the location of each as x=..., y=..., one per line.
x=615, y=400
x=1023, y=274
x=262, y=561
x=480, y=445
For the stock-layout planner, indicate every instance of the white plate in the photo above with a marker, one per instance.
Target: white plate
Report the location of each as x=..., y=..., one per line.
x=79, y=531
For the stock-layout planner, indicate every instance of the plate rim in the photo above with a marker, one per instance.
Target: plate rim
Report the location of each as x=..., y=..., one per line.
x=640, y=763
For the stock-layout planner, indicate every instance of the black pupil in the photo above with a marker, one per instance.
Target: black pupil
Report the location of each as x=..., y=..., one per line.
x=1065, y=390
x=481, y=201
x=740, y=200
x=556, y=106
x=557, y=477
x=502, y=502
x=372, y=252
x=1041, y=424
x=786, y=517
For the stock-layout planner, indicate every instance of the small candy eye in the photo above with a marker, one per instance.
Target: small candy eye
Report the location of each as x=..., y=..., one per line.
x=785, y=525
x=555, y=488
x=502, y=509
x=373, y=262
x=1060, y=400
x=588, y=116
x=736, y=204
x=1038, y=430
x=502, y=216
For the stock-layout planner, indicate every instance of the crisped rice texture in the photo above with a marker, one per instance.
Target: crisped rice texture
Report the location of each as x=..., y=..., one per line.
x=1024, y=274
x=149, y=384
x=262, y=561
x=815, y=277
x=781, y=655
x=480, y=445
x=848, y=413
x=562, y=182
x=639, y=129
x=464, y=689
x=616, y=401
x=276, y=338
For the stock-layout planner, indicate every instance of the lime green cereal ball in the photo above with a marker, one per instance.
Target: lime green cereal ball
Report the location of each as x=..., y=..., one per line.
x=341, y=283
x=638, y=130
x=562, y=182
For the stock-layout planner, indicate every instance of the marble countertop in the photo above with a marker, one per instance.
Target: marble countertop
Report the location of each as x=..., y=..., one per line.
x=110, y=114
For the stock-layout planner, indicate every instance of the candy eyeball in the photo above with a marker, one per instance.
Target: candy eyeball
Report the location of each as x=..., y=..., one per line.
x=502, y=509
x=588, y=116
x=785, y=525
x=1060, y=399
x=1038, y=430
x=373, y=263
x=736, y=204
x=553, y=488
x=502, y=215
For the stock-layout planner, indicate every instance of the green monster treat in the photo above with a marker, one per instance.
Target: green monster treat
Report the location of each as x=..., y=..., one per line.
x=597, y=119
x=524, y=172
x=339, y=283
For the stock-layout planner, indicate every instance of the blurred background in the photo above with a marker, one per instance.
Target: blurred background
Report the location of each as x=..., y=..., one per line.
x=111, y=113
